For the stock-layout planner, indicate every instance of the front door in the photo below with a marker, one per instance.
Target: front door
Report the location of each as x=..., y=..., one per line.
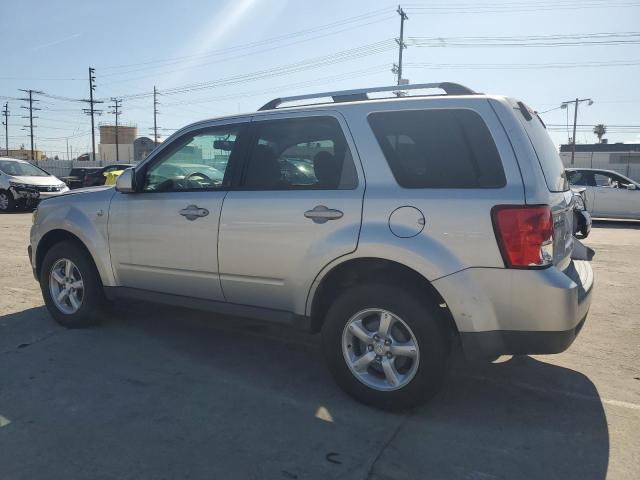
x=610, y=198
x=163, y=238
x=298, y=207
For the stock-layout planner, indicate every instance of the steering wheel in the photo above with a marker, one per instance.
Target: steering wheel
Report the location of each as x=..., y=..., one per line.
x=197, y=174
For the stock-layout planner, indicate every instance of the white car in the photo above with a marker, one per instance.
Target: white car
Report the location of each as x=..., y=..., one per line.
x=24, y=184
x=608, y=194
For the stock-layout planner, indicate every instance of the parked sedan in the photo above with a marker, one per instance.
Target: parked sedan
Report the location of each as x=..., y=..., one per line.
x=76, y=176
x=99, y=176
x=24, y=185
x=608, y=193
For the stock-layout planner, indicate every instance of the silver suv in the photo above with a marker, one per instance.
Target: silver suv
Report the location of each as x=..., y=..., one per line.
x=394, y=226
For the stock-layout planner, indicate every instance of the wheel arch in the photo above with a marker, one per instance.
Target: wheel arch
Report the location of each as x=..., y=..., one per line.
x=53, y=237
x=371, y=269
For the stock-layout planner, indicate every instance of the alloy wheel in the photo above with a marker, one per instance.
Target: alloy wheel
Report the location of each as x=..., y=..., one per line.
x=380, y=349
x=66, y=286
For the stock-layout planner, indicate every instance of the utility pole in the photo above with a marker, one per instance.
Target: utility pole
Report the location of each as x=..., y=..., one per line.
x=397, y=68
x=116, y=106
x=91, y=110
x=576, y=102
x=31, y=108
x=5, y=113
x=155, y=115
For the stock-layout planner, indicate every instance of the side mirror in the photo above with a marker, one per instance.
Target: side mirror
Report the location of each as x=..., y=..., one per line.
x=124, y=182
x=631, y=186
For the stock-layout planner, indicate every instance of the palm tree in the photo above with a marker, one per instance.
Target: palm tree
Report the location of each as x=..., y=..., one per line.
x=599, y=130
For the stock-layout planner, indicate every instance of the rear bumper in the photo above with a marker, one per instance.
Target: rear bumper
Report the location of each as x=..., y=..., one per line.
x=513, y=342
x=501, y=311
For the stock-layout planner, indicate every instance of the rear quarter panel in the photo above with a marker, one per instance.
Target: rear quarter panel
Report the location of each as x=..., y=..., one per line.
x=458, y=231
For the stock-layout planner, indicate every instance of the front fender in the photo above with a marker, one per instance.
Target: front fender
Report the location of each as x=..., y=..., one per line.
x=88, y=221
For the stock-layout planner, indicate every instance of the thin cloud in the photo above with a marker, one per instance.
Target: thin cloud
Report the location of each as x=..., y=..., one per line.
x=56, y=42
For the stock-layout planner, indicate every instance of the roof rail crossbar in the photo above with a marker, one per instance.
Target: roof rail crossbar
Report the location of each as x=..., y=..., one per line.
x=361, y=94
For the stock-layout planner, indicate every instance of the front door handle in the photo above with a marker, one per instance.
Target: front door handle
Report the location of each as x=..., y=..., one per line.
x=322, y=214
x=193, y=211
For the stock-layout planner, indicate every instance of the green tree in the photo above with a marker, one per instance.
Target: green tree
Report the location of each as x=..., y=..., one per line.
x=599, y=130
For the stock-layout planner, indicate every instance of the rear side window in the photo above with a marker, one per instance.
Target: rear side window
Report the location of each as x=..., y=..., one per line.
x=438, y=148
x=552, y=168
x=300, y=154
x=576, y=177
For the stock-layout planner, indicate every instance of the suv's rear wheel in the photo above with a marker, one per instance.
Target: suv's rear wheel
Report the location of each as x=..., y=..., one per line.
x=7, y=203
x=71, y=286
x=385, y=346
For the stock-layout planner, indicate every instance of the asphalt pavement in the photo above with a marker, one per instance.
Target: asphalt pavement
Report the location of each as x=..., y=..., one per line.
x=163, y=393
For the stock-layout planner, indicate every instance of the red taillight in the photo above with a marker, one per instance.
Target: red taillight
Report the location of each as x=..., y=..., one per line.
x=525, y=234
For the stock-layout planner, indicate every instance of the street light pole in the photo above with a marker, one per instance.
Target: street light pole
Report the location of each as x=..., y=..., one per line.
x=576, y=102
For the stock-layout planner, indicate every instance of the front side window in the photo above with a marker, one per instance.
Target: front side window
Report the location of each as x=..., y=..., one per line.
x=438, y=148
x=300, y=154
x=604, y=180
x=196, y=162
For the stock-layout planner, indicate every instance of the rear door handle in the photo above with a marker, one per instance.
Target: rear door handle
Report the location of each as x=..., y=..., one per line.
x=193, y=211
x=322, y=214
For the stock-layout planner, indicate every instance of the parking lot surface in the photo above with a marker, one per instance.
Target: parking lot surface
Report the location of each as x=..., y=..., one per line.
x=161, y=393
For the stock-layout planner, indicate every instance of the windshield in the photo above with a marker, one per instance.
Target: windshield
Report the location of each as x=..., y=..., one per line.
x=21, y=169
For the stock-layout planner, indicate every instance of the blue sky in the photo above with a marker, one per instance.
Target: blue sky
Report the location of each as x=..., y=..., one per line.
x=134, y=45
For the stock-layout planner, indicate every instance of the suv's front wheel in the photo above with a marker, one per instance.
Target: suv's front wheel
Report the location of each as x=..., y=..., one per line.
x=71, y=286
x=385, y=346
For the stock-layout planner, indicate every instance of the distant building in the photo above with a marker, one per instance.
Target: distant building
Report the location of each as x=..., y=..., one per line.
x=23, y=154
x=620, y=157
x=107, y=147
x=142, y=147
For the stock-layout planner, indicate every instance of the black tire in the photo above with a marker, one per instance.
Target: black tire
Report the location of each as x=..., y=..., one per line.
x=421, y=315
x=11, y=203
x=93, y=303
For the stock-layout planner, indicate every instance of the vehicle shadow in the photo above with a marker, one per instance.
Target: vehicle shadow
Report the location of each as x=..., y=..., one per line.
x=171, y=393
x=624, y=224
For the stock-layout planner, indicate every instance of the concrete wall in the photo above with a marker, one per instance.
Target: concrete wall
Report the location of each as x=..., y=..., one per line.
x=626, y=163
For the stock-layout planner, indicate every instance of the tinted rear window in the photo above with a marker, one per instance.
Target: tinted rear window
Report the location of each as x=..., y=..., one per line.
x=546, y=152
x=438, y=148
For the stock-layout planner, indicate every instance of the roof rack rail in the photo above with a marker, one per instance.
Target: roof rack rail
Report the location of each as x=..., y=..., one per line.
x=361, y=93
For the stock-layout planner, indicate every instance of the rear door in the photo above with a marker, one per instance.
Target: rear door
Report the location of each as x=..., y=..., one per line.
x=298, y=207
x=613, y=198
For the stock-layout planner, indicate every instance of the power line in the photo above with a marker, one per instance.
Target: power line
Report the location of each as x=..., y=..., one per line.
x=566, y=40
x=522, y=66
x=170, y=61
x=517, y=7
x=304, y=65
